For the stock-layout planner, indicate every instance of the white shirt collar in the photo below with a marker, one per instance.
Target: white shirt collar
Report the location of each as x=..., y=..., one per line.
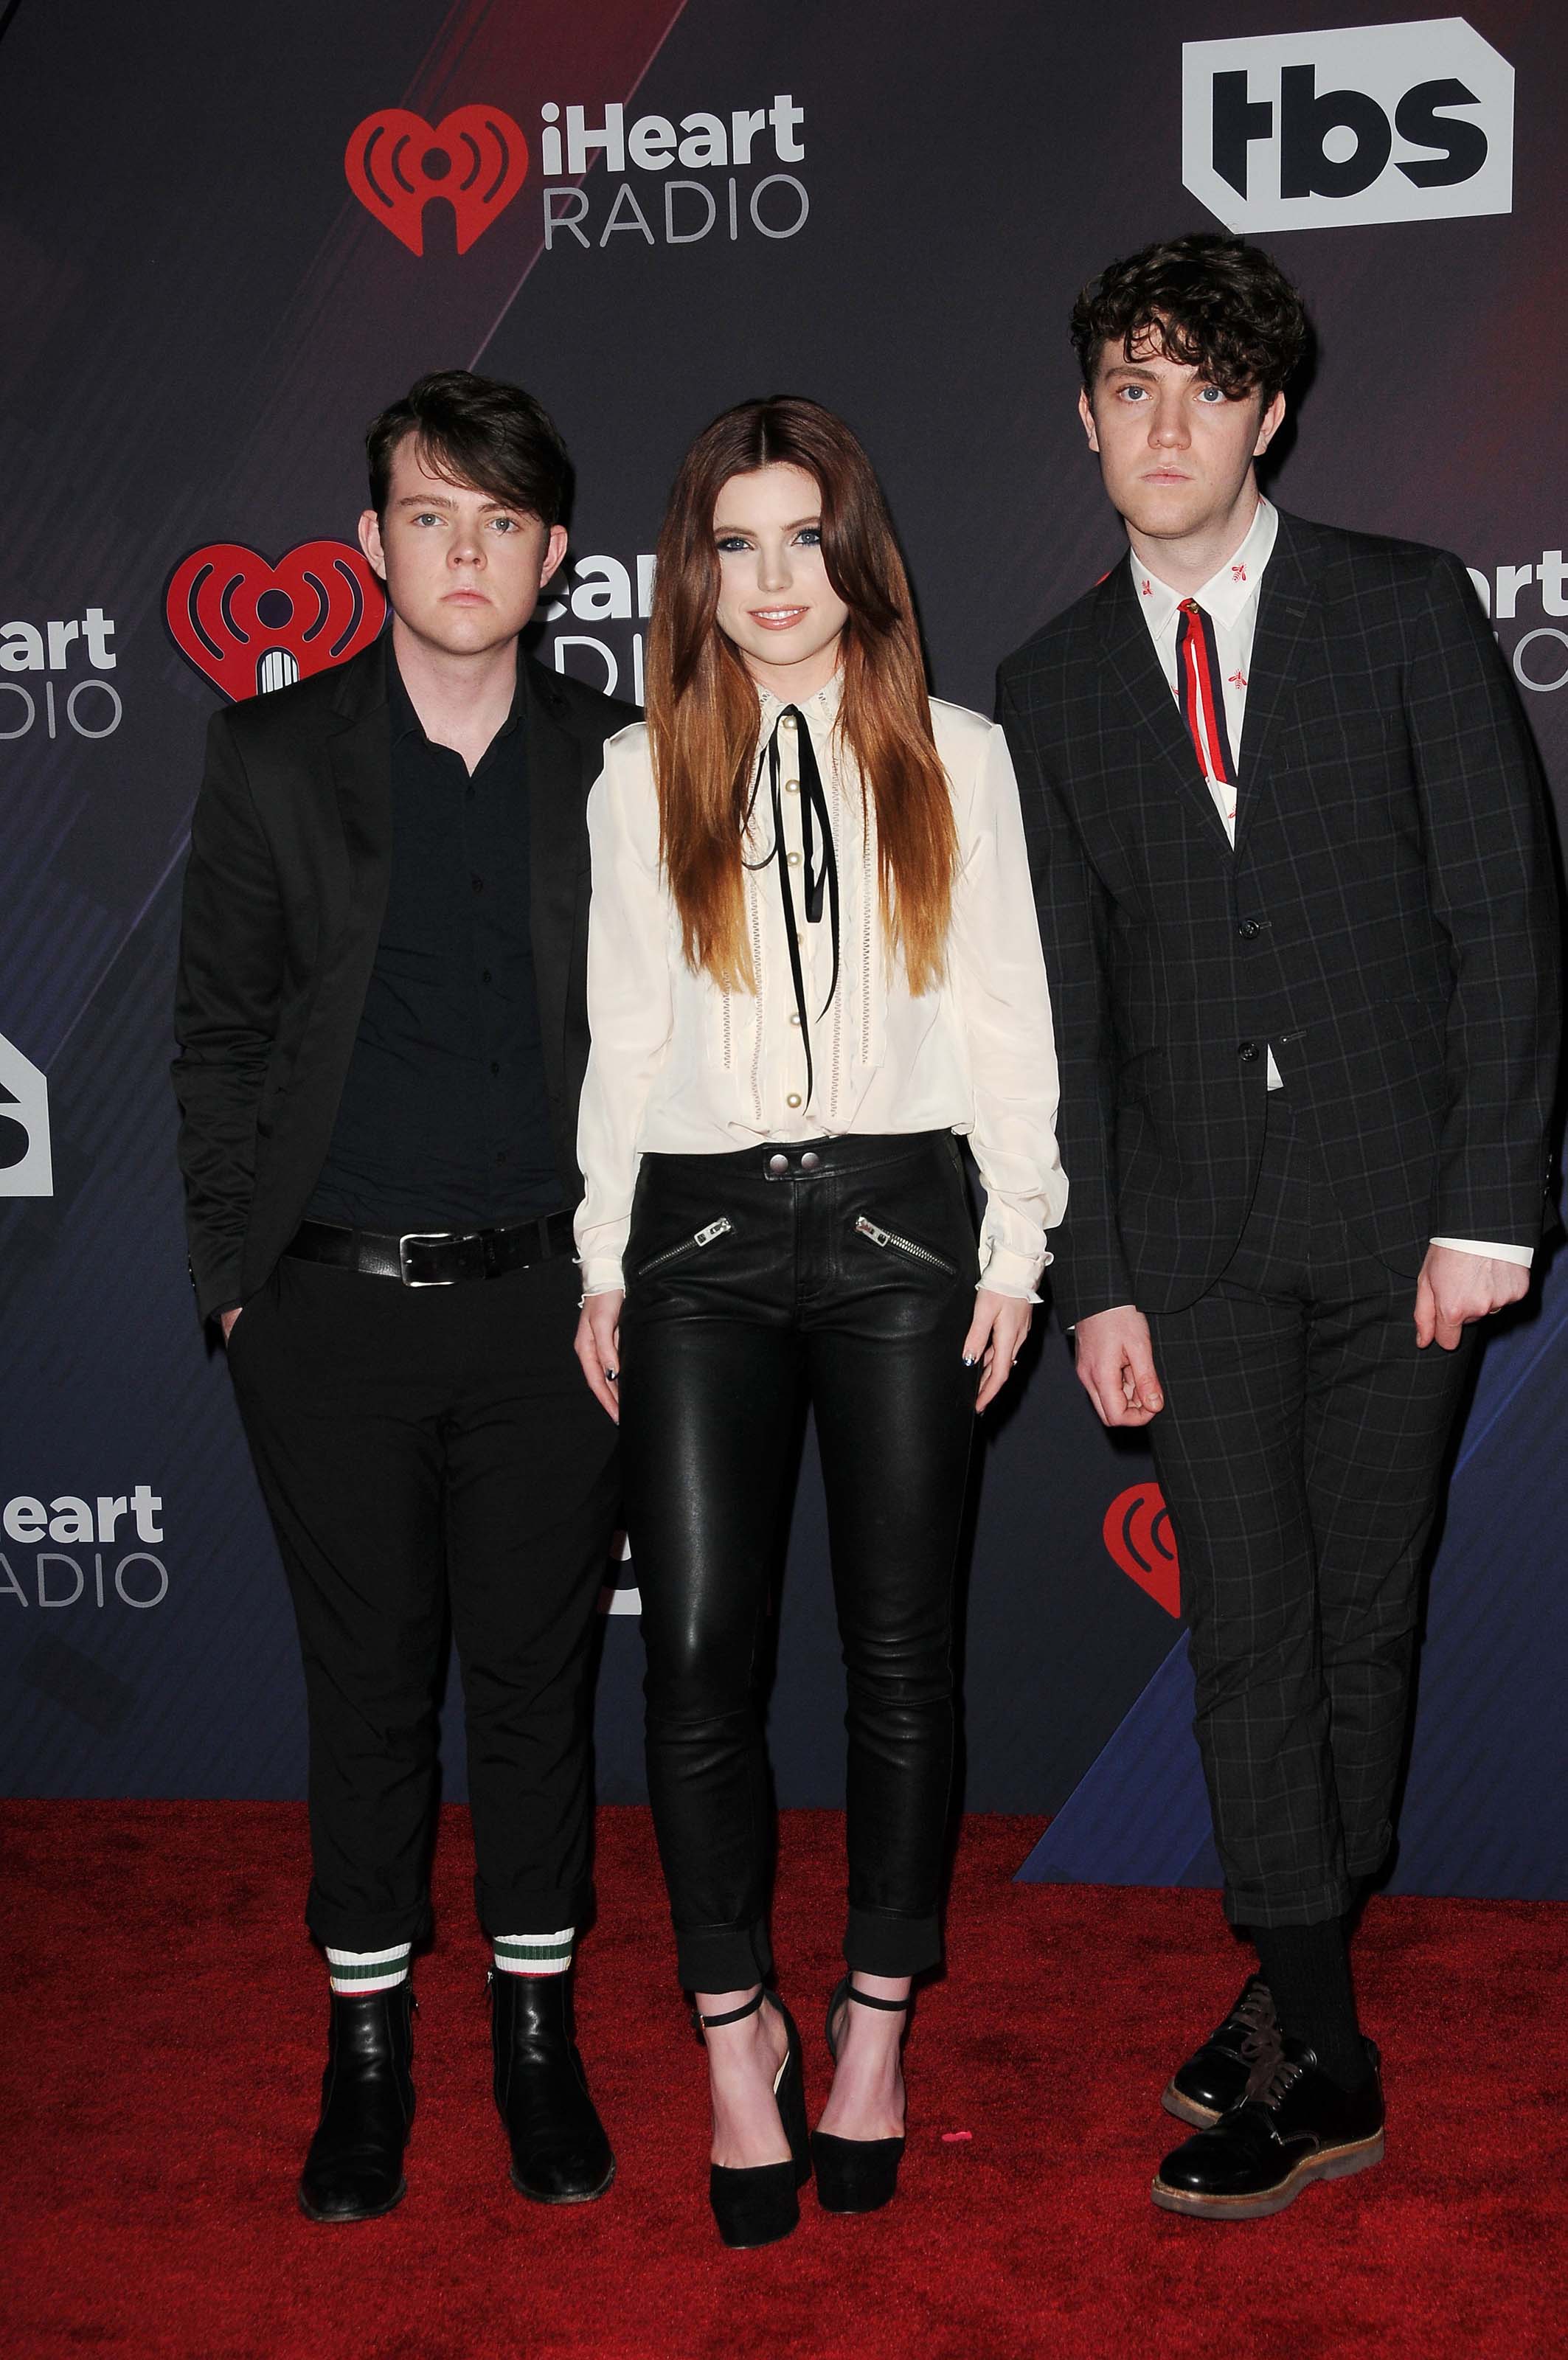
x=1229, y=589
x=821, y=710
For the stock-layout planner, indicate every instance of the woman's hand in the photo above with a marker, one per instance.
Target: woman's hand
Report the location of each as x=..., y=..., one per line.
x=598, y=1347
x=995, y=1340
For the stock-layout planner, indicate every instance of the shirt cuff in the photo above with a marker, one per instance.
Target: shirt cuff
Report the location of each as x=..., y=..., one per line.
x=602, y=1276
x=1006, y=1271
x=1522, y=1255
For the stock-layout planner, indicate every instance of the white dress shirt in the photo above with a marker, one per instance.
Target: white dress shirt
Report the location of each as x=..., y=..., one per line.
x=1230, y=599
x=678, y=1066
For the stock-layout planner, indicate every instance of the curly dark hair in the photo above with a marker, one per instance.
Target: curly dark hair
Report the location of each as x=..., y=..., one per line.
x=1209, y=303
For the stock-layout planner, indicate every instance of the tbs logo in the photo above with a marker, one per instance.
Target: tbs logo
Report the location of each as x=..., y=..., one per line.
x=1378, y=123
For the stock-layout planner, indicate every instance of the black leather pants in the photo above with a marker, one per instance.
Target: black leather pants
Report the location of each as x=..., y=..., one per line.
x=843, y=1272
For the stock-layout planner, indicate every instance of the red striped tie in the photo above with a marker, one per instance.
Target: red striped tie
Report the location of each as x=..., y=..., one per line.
x=1203, y=696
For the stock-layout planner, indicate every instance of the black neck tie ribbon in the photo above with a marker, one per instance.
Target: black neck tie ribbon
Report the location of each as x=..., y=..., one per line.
x=820, y=863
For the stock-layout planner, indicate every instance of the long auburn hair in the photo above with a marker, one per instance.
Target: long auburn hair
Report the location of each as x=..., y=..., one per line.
x=702, y=702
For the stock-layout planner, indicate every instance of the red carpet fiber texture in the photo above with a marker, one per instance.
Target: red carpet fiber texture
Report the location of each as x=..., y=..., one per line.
x=163, y=2022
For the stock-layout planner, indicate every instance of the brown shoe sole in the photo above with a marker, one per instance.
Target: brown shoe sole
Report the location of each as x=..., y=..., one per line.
x=1330, y=2163
x=1188, y=2110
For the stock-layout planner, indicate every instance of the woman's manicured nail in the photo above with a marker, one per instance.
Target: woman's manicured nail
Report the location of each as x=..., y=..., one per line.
x=969, y=1363
x=610, y=1375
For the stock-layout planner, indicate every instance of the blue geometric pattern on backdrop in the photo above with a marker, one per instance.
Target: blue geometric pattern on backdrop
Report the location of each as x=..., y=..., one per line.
x=1484, y=1811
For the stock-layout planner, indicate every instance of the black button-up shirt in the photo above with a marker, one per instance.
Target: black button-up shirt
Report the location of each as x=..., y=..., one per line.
x=445, y=1121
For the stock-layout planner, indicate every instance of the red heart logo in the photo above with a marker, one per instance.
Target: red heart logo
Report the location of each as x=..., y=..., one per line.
x=477, y=159
x=250, y=626
x=1137, y=1534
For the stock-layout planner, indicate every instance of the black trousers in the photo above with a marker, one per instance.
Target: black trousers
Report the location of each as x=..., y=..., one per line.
x=843, y=1273
x=427, y=1449
x=1300, y=1452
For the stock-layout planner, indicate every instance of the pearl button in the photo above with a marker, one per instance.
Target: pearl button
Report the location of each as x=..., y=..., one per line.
x=810, y=1161
x=789, y=721
x=778, y=1164
x=795, y=1016
x=791, y=786
x=792, y=1099
x=794, y=860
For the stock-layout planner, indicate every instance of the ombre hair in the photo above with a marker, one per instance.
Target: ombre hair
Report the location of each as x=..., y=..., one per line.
x=702, y=702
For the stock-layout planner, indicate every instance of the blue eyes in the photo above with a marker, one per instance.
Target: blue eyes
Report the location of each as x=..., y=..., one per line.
x=730, y=543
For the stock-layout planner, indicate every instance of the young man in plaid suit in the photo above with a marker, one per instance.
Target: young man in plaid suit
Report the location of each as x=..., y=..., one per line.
x=1290, y=864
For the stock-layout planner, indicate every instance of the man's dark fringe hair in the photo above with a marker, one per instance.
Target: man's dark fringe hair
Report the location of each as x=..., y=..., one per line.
x=1208, y=302
x=475, y=431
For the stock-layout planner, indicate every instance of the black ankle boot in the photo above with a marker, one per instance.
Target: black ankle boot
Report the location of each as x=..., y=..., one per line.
x=355, y=2167
x=855, y=2175
x=559, y=2152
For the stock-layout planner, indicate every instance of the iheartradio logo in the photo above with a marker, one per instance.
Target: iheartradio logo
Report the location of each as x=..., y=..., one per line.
x=1137, y=1534
x=251, y=627
x=475, y=158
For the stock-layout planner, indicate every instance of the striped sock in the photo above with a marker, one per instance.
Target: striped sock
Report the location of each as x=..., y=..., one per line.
x=354, y=1973
x=534, y=1954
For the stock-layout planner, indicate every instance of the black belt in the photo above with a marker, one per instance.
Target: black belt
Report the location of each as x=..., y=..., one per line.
x=433, y=1257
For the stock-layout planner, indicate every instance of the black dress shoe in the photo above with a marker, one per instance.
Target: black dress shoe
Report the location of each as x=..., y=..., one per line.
x=559, y=2152
x=355, y=2168
x=1232, y=2064
x=758, y=2203
x=1258, y=2158
x=855, y=2175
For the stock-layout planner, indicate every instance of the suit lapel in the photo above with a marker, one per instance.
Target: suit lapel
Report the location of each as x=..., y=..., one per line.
x=557, y=866
x=1131, y=654
x=1284, y=610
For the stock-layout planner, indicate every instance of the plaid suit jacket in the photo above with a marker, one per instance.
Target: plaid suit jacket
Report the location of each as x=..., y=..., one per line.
x=1386, y=921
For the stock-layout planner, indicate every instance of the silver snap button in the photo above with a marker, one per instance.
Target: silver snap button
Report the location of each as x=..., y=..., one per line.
x=810, y=1161
x=792, y=1099
x=777, y=1164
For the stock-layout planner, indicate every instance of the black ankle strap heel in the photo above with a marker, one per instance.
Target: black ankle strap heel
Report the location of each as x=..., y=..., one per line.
x=855, y=2175
x=757, y=2205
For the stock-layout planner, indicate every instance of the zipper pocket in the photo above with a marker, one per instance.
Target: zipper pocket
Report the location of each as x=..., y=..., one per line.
x=904, y=1245
x=688, y=1245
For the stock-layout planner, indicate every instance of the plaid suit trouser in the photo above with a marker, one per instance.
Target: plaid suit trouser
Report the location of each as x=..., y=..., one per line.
x=1300, y=1452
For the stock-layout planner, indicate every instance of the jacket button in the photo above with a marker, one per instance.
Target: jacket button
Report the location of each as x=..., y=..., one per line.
x=778, y=1165
x=1247, y=1052
x=1249, y=929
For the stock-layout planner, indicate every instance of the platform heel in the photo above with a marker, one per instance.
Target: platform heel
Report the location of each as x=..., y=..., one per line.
x=855, y=2175
x=757, y=2205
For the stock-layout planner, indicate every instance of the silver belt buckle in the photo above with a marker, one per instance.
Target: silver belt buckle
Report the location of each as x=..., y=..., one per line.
x=425, y=1238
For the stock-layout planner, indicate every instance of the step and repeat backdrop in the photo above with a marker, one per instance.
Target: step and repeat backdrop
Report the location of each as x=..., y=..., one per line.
x=230, y=236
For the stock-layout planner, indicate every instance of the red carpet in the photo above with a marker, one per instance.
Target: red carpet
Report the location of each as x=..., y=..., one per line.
x=162, y=2023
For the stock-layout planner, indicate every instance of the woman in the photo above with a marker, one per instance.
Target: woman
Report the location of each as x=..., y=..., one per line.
x=812, y=959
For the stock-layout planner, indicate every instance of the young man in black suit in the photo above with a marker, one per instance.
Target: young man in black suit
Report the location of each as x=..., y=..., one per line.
x=1289, y=857
x=383, y=1030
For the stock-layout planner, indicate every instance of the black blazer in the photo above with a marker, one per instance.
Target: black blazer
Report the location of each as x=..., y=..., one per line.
x=1386, y=919
x=285, y=891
